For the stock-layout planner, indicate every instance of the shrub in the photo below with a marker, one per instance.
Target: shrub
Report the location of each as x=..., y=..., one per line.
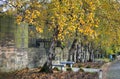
x=69, y=69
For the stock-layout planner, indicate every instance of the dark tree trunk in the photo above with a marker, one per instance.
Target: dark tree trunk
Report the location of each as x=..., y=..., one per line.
x=78, y=53
x=91, y=51
x=47, y=67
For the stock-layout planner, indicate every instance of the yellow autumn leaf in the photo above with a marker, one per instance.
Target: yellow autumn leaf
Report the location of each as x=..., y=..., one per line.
x=39, y=29
x=96, y=25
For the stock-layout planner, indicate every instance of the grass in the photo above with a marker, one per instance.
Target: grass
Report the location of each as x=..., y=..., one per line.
x=103, y=59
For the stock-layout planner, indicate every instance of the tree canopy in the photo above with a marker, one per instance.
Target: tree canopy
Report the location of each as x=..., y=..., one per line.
x=66, y=20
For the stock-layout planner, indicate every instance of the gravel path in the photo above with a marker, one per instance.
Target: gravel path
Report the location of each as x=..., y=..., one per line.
x=113, y=72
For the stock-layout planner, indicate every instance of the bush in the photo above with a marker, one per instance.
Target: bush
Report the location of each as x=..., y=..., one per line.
x=69, y=69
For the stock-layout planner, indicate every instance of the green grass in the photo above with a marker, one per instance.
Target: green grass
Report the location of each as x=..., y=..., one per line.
x=104, y=59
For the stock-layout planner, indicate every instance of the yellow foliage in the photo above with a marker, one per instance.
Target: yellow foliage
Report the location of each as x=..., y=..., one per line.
x=96, y=25
x=82, y=21
x=40, y=30
x=81, y=30
x=66, y=16
x=18, y=19
x=27, y=12
x=33, y=15
x=36, y=12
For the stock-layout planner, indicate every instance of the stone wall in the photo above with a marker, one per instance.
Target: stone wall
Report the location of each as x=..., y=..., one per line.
x=36, y=57
x=15, y=59
x=14, y=51
x=12, y=37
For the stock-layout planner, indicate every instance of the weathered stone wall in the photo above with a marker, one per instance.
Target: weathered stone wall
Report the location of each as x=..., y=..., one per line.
x=14, y=59
x=12, y=39
x=7, y=30
x=36, y=57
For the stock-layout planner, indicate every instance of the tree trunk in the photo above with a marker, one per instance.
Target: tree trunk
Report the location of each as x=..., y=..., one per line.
x=47, y=67
x=91, y=57
x=72, y=51
x=78, y=53
x=91, y=51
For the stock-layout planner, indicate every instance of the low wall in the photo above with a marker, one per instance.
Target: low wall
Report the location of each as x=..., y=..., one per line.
x=15, y=59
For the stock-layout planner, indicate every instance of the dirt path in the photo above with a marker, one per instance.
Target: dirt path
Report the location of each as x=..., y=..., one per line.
x=105, y=69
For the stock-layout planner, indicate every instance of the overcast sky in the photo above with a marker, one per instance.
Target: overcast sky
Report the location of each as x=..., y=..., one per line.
x=2, y=2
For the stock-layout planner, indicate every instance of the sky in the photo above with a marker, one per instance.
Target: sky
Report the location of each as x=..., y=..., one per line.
x=2, y=2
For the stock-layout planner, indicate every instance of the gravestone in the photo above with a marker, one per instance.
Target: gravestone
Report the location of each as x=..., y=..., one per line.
x=65, y=54
x=58, y=55
x=42, y=55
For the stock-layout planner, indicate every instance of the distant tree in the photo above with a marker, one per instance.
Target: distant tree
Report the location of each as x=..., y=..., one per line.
x=108, y=32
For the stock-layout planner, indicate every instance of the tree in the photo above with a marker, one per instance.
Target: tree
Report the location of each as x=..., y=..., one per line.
x=86, y=22
x=108, y=14
x=76, y=20
x=68, y=18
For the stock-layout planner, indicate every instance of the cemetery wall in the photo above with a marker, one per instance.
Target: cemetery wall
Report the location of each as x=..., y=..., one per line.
x=15, y=59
